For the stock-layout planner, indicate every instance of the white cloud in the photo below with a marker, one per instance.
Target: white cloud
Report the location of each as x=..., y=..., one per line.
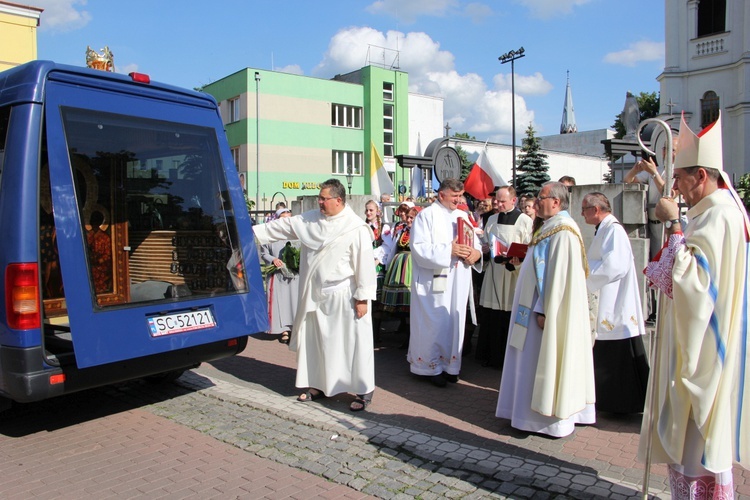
x=527, y=85
x=292, y=69
x=408, y=12
x=546, y=9
x=477, y=12
x=637, y=52
x=127, y=69
x=62, y=15
x=469, y=105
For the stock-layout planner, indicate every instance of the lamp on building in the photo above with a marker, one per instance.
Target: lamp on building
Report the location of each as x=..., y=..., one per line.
x=511, y=57
x=349, y=178
x=257, y=142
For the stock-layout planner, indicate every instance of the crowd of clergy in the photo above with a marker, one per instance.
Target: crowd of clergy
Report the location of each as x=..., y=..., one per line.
x=562, y=320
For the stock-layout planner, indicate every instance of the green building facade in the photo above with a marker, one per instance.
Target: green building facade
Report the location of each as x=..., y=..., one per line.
x=296, y=131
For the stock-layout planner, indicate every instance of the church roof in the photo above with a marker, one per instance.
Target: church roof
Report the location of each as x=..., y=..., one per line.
x=568, y=125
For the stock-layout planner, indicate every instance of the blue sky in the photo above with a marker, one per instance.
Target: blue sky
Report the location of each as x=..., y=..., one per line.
x=449, y=48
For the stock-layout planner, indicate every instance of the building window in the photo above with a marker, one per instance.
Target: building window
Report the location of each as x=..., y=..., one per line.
x=388, y=129
x=709, y=108
x=236, y=158
x=345, y=162
x=234, y=109
x=346, y=116
x=711, y=17
x=387, y=91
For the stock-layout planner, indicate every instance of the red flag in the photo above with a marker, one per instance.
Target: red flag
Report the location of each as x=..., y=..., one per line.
x=483, y=178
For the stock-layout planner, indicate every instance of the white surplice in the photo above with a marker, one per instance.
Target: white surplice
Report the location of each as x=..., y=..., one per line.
x=612, y=274
x=334, y=348
x=440, y=290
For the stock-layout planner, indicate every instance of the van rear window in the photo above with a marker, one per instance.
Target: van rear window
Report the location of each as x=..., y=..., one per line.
x=154, y=208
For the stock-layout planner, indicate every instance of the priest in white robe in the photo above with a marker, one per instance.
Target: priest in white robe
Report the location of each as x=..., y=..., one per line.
x=332, y=332
x=700, y=416
x=547, y=384
x=505, y=227
x=620, y=361
x=441, y=286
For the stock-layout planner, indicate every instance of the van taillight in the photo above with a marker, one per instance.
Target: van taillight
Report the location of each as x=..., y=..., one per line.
x=22, y=296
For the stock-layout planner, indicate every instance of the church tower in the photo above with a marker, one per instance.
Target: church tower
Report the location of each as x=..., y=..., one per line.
x=568, y=125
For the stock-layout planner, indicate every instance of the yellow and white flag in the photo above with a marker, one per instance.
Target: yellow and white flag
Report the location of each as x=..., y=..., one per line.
x=380, y=181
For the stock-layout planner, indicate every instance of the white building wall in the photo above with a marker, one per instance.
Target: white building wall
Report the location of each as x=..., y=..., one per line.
x=584, y=168
x=425, y=121
x=717, y=62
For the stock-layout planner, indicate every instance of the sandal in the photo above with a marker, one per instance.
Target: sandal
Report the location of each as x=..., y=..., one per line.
x=359, y=403
x=284, y=338
x=309, y=395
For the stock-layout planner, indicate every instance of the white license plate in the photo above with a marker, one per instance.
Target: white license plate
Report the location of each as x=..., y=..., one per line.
x=169, y=324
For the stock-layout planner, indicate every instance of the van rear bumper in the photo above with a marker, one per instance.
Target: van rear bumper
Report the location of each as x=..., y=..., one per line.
x=24, y=377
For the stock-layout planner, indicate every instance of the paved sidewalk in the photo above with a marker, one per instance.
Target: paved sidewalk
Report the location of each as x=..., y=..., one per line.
x=101, y=444
x=452, y=430
x=233, y=429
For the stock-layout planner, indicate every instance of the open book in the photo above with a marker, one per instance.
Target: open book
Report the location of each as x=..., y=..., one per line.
x=501, y=248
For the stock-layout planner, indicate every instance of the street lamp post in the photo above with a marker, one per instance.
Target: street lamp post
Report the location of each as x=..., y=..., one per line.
x=257, y=143
x=349, y=179
x=511, y=57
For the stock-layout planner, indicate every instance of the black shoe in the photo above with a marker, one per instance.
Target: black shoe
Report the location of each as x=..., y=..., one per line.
x=438, y=380
x=450, y=378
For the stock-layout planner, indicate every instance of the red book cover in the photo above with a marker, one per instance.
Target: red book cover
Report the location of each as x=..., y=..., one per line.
x=465, y=232
x=517, y=250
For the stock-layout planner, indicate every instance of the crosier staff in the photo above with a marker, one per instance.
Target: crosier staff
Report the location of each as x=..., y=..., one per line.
x=656, y=341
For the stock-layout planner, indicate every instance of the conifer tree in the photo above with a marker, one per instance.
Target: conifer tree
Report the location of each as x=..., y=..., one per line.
x=532, y=167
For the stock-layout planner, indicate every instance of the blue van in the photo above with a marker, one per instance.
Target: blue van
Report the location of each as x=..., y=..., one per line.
x=125, y=242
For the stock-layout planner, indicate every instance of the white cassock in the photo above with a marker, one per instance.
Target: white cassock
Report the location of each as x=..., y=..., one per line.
x=703, y=391
x=440, y=289
x=547, y=384
x=620, y=363
x=334, y=348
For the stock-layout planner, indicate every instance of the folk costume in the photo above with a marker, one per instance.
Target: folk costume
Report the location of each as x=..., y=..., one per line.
x=396, y=296
x=440, y=292
x=620, y=362
x=498, y=286
x=283, y=287
x=334, y=348
x=548, y=378
x=701, y=415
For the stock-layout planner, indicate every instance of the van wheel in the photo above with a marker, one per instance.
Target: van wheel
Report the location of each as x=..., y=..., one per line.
x=166, y=377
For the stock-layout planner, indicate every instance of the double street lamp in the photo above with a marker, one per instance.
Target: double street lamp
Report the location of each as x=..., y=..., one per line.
x=257, y=142
x=511, y=57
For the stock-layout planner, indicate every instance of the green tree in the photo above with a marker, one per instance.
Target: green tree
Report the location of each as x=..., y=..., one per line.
x=466, y=164
x=648, y=105
x=743, y=189
x=532, y=167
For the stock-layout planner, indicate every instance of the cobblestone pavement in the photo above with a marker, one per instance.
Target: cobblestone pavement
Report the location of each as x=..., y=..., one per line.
x=233, y=429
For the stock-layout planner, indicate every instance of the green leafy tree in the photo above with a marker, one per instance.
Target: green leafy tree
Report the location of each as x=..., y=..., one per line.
x=648, y=105
x=743, y=189
x=532, y=166
x=466, y=164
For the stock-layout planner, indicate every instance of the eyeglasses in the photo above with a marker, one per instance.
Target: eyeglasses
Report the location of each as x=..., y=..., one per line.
x=583, y=209
x=326, y=198
x=545, y=197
